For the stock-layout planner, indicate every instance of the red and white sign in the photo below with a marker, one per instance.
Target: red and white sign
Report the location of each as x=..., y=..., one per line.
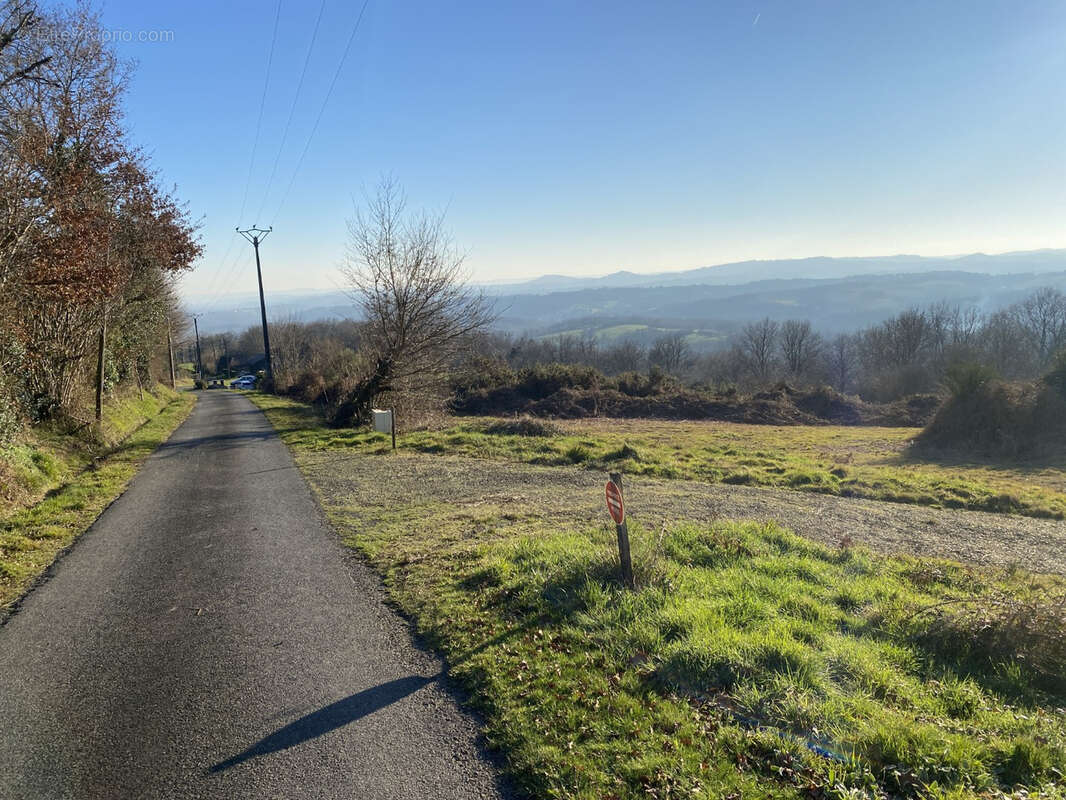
x=615, y=507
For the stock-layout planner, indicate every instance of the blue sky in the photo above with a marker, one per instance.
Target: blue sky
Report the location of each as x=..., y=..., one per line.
x=586, y=137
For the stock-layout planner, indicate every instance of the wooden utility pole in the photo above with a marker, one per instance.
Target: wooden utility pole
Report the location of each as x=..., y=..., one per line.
x=225, y=352
x=170, y=355
x=255, y=236
x=100, y=370
x=199, y=357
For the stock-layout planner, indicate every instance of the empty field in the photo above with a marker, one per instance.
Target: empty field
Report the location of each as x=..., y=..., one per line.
x=847, y=461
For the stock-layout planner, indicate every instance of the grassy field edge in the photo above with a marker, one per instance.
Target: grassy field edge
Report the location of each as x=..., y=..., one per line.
x=860, y=462
x=32, y=538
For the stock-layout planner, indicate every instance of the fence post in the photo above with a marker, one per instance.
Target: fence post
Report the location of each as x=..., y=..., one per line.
x=622, y=528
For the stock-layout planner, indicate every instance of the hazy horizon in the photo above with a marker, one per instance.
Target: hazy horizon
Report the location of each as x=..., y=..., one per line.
x=605, y=136
x=556, y=273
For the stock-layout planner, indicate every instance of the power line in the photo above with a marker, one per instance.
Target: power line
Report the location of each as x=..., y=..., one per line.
x=251, y=164
x=236, y=269
x=225, y=268
x=307, y=144
x=262, y=106
x=322, y=110
x=292, y=109
x=219, y=265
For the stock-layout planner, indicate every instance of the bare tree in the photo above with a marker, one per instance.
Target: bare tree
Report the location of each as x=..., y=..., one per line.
x=800, y=347
x=290, y=348
x=1042, y=317
x=842, y=361
x=758, y=343
x=896, y=342
x=408, y=278
x=1005, y=346
x=671, y=353
x=626, y=356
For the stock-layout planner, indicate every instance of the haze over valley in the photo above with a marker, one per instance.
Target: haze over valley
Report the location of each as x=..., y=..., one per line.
x=837, y=293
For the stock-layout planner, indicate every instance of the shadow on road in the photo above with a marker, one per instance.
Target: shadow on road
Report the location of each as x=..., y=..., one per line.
x=335, y=715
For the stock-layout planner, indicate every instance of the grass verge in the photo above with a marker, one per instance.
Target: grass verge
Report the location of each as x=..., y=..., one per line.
x=73, y=482
x=873, y=463
x=750, y=662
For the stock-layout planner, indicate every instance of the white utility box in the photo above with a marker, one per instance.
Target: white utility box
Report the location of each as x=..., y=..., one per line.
x=382, y=420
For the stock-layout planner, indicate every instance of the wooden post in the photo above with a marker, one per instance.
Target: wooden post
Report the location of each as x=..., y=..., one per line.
x=170, y=355
x=392, y=423
x=624, y=555
x=100, y=370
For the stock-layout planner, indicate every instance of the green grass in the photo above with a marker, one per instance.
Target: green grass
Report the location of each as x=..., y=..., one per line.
x=61, y=483
x=873, y=463
x=749, y=663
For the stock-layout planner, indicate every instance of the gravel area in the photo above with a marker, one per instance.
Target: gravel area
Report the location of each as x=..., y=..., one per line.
x=575, y=496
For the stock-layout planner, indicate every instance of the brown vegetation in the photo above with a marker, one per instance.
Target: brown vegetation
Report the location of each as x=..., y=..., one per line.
x=573, y=392
x=89, y=241
x=989, y=417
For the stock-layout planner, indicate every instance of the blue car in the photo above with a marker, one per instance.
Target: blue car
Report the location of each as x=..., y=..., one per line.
x=243, y=382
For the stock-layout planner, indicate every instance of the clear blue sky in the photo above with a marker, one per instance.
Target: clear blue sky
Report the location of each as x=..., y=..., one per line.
x=586, y=137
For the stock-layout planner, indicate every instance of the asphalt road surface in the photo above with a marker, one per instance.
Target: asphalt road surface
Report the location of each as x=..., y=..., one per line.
x=209, y=637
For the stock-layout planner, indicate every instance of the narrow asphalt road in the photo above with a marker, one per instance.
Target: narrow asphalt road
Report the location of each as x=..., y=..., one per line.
x=209, y=637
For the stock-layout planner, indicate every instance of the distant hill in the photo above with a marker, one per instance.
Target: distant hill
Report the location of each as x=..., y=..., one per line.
x=1034, y=261
x=832, y=304
x=835, y=293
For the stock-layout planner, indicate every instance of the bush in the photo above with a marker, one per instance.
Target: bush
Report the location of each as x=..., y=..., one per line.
x=636, y=384
x=1002, y=629
x=578, y=454
x=543, y=380
x=987, y=417
x=573, y=392
x=483, y=373
x=967, y=379
x=10, y=419
x=523, y=426
x=1056, y=377
x=309, y=387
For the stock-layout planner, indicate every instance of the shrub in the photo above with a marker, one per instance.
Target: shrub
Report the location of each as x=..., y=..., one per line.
x=543, y=380
x=10, y=419
x=523, y=426
x=1003, y=628
x=1056, y=377
x=309, y=387
x=987, y=417
x=572, y=392
x=967, y=379
x=578, y=454
x=483, y=373
x=636, y=384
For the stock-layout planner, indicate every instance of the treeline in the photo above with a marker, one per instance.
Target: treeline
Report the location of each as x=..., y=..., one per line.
x=888, y=373
x=907, y=354
x=90, y=242
x=325, y=347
